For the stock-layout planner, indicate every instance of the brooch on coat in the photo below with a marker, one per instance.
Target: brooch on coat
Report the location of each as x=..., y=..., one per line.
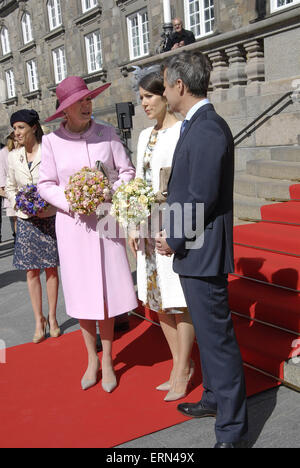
x=22, y=158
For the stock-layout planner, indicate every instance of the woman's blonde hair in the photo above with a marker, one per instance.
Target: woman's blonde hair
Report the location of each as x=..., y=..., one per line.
x=10, y=142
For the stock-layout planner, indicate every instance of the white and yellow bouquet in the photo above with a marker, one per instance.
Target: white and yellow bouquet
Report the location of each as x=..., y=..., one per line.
x=131, y=203
x=87, y=189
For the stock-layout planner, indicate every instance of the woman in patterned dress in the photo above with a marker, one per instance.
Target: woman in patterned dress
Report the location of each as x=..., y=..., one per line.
x=35, y=247
x=158, y=286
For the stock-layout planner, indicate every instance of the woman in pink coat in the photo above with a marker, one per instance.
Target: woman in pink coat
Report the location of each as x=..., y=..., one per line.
x=95, y=273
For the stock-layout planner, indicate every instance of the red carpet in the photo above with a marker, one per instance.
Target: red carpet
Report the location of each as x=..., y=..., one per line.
x=295, y=192
x=287, y=211
x=267, y=262
x=42, y=404
x=269, y=236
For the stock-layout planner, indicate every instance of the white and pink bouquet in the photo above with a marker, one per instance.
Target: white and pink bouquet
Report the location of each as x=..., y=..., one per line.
x=131, y=203
x=29, y=201
x=87, y=189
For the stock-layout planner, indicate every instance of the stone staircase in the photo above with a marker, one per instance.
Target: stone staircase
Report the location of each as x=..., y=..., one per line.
x=263, y=176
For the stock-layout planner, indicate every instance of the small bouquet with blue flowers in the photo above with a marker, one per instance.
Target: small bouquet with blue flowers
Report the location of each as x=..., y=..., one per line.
x=29, y=201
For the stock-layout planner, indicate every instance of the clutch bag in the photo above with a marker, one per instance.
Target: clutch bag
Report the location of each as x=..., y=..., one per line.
x=111, y=174
x=164, y=176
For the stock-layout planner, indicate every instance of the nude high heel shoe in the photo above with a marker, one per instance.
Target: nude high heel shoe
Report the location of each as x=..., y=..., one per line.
x=86, y=384
x=54, y=332
x=109, y=386
x=164, y=387
x=172, y=395
x=39, y=337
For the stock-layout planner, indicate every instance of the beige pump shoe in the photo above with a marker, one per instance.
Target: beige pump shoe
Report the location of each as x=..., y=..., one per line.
x=54, y=332
x=39, y=337
x=164, y=387
x=109, y=386
x=86, y=384
x=172, y=395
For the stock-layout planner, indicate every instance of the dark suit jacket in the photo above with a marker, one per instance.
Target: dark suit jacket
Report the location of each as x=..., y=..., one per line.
x=174, y=38
x=203, y=172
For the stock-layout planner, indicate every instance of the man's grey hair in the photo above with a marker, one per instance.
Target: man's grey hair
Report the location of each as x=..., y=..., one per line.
x=193, y=68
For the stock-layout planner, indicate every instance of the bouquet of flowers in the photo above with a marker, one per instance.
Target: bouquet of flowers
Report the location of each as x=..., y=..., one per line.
x=131, y=202
x=29, y=201
x=86, y=190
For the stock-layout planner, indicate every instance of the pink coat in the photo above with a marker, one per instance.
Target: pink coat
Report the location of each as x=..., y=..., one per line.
x=94, y=269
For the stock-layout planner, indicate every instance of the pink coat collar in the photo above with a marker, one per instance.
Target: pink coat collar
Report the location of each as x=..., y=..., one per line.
x=78, y=136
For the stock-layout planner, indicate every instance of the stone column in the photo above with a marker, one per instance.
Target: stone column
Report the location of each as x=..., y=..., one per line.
x=167, y=11
x=255, y=67
x=236, y=73
x=219, y=75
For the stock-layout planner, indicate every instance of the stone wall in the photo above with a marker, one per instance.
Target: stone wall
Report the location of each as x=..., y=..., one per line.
x=253, y=62
x=253, y=67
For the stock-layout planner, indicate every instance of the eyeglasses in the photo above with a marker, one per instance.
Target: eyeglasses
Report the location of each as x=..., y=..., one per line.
x=177, y=24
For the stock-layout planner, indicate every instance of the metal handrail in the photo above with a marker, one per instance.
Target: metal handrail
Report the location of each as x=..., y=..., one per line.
x=239, y=138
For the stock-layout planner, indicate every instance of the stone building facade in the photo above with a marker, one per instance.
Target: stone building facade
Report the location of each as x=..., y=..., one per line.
x=253, y=46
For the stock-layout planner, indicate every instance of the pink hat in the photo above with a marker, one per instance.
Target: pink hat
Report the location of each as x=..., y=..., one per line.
x=71, y=90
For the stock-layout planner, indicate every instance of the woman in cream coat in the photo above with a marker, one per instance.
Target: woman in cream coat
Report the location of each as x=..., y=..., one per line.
x=10, y=146
x=158, y=286
x=36, y=246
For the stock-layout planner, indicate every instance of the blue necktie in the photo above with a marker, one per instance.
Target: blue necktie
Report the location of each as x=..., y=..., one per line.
x=183, y=125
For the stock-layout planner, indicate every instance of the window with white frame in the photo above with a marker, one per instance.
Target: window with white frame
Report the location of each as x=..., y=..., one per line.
x=59, y=63
x=88, y=4
x=93, y=51
x=5, y=41
x=10, y=84
x=138, y=34
x=54, y=13
x=32, y=74
x=281, y=4
x=26, y=28
x=200, y=16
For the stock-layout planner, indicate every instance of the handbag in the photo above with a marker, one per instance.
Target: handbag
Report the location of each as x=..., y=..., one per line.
x=111, y=174
x=164, y=176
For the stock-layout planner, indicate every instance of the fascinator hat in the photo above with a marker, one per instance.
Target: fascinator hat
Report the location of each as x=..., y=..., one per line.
x=72, y=90
x=140, y=73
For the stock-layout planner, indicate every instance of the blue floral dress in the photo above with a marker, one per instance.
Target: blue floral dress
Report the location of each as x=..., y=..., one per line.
x=36, y=246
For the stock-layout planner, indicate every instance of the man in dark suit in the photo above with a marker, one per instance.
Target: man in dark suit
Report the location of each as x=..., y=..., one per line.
x=202, y=175
x=179, y=37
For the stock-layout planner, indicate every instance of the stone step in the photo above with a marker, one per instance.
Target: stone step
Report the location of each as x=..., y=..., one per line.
x=245, y=154
x=262, y=187
x=274, y=169
x=248, y=208
x=241, y=222
x=286, y=153
x=275, y=153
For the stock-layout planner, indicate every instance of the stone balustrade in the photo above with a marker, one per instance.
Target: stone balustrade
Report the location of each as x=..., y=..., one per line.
x=237, y=57
x=236, y=67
